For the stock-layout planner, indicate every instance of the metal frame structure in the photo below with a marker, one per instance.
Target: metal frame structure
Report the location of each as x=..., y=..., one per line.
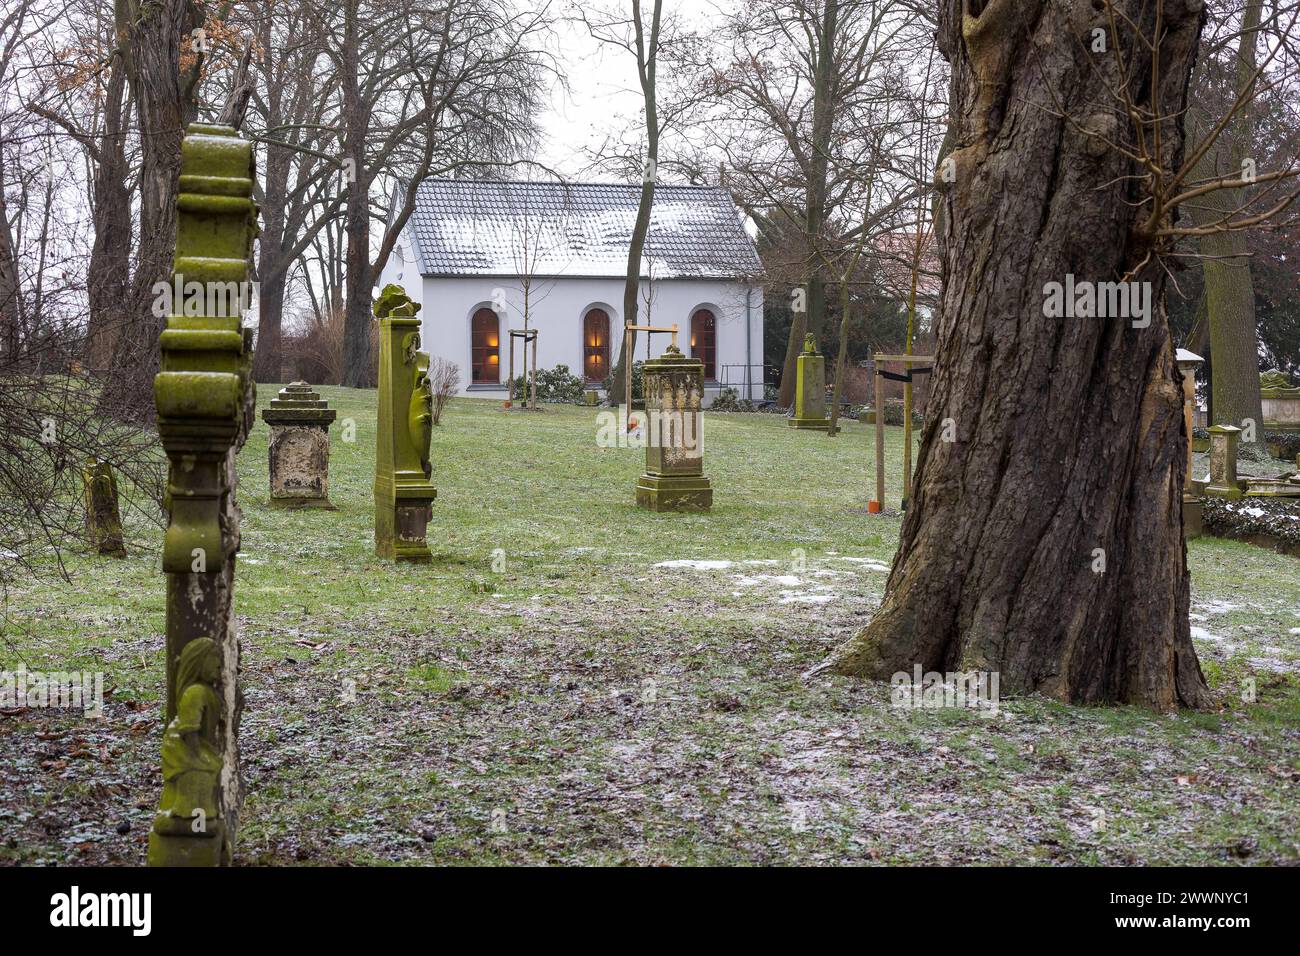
x=627, y=354
x=878, y=505
x=528, y=335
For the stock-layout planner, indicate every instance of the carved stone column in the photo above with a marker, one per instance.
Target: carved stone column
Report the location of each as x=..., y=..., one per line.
x=1223, y=462
x=205, y=398
x=403, y=491
x=673, y=386
x=810, y=389
x=1192, y=509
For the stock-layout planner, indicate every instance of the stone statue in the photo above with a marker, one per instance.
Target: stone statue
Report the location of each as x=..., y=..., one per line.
x=810, y=344
x=1274, y=379
x=191, y=763
x=421, y=413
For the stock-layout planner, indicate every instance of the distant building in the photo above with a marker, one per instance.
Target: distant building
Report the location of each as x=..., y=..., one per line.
x=483, y=256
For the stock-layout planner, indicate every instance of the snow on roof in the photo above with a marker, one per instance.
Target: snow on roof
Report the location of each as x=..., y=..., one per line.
x=501, y=227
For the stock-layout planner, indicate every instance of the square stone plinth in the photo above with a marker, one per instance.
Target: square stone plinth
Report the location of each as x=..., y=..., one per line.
x=674, y=493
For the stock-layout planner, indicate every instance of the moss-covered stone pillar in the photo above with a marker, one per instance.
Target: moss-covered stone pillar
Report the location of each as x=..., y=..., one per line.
x=205, y=398
x=1192, y=509
x=298, y=450
x=103, y=516
x=810, y=388
x=1223, y=462
x=403, y=491
x=673, y=387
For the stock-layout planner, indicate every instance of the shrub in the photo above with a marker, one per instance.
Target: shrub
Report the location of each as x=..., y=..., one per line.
x=553, y=385
x=608, y=385
x=444, y=376
x=729, y=400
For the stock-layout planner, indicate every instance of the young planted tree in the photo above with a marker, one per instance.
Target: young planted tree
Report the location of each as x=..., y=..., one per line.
x=644, y=42
x=1044, y=541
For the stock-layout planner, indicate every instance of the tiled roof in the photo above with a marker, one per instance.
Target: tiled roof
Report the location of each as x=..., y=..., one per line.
x=464, y=227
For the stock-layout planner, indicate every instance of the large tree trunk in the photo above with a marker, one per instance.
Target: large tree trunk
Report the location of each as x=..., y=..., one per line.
x=815, y=201
x=108, y=272
x=10, y=290
x=358, y=362
x=1229, y=288
x=1069, y=440
x=163, y=94
x=271, y=271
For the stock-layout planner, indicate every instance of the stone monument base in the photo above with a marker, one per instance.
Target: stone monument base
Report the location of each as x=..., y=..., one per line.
x=293, y=504
x=205, y=850
x=674, y=493
x=816, y=424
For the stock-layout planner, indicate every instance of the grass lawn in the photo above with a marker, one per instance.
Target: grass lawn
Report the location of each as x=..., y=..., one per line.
x=595, y=703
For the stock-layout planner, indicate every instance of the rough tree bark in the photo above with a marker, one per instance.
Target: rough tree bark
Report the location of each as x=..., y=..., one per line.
x=1069, y=432
x=108, y=272
x=359, y=369
x=1229, y=288
x=163, y=93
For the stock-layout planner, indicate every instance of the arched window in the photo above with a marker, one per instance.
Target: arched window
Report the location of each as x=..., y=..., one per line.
x=704, y=341
x=485, y=347
x=595, y=345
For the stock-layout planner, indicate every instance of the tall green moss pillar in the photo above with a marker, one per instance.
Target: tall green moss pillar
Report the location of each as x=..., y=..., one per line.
x=103, y=516
x=404, y=492
x=673, y=386
x=205, y=398
x=810, y=389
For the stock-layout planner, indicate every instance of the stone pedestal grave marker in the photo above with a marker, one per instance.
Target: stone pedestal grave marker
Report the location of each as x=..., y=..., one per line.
x=1223, y=463
x=205, y=398
x=404, y=492
x=810, y=389
x=103, y=518
x=299, y=448
x=673, y=386
x=1192, y=508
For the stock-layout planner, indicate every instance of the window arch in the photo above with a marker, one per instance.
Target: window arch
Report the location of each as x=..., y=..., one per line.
x=595, y=345
x=704, y=341
x=485, y=348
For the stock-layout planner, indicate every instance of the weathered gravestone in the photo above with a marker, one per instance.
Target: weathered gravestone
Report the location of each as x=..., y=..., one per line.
x=404, y=492
x=103, y=517
x=1279, y=401
x=810, y=389
x=1192, y=509
x=205, y=398
x=298, y=451
x=673, y=386
x=1223, y=463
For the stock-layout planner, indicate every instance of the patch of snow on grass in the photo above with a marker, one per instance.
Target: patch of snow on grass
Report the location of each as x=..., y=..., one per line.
x=789, y=598
x=695, y=565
